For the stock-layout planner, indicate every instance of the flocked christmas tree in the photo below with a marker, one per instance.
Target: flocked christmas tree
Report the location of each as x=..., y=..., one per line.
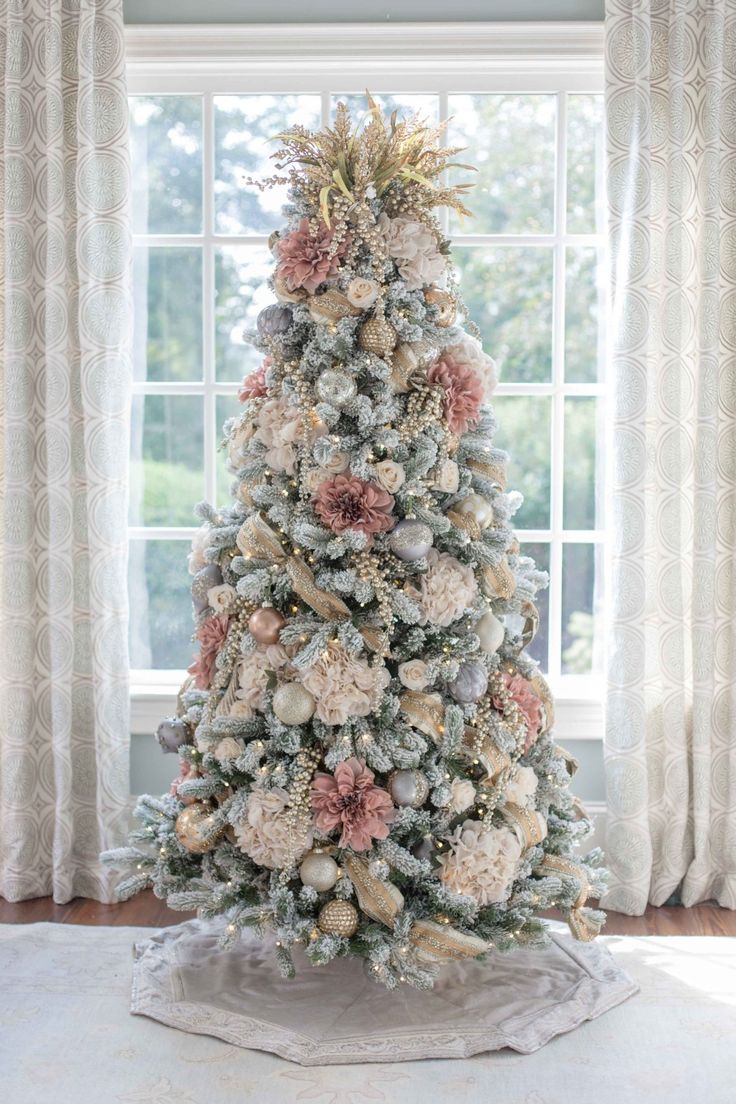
x=367, y=764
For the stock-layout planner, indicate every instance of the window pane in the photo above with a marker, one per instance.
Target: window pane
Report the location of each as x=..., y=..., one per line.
x=241, y=273
x=584, y=310
x=511, y=140
x=508, y=292
x=406, y=103
x=578, y=621
x=160, y=607
x=539, y=647
x=166, y=453
x=167, y=305
x=244, y=130
x=166, y=159
x=580, y=457
x=226, y=406
x=585, y=165
x=524, y=432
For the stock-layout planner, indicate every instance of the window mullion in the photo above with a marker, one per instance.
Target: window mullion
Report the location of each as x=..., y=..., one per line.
x=208, y=304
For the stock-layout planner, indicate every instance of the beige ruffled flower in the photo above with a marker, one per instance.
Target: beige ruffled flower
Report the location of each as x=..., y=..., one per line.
x=220, y=598
x=447, y=477
x=253, y=677
x=522, y=786
x=445, y=590
x=390, y=475
x=481, y=862
x=413, y=674
x=266, y=833
x=228, y=748
x=462, y=795
x=343, y=685
x=200, y=543
x=469, y=353
x=414, y=248
x=280, y=429
x=362, y=293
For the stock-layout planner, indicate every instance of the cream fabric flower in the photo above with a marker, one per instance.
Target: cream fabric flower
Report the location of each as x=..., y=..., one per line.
x=266, y=833
x=469, y=352
x=220, y=598
x=447, y=477
x=200, y=543
x=337, y=463
x=522, y=786
x=462, y=794
x=362, y=293
x=390, y=475
x=228, y=748
x=414, y=248
x=253, y=677
x=413, y=674
x=445, y=590
x=343, y=685
x=280, y=429
x=481, y=862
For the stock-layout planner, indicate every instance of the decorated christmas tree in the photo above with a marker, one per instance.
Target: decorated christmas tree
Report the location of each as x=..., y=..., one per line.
x=367, y=765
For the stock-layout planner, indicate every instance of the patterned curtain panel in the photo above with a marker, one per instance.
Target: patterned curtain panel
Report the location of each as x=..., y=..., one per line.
x=64, y=303
x=671, y=719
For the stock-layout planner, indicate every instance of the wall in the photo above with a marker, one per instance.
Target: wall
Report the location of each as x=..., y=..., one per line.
x=328, y=11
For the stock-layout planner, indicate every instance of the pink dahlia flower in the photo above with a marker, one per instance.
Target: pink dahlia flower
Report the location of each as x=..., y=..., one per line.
x=522, y=693
x=306, y=261
x=211, y=636
x=349, y=800
x=254, y=385
x=347, y=502
x=463, y=392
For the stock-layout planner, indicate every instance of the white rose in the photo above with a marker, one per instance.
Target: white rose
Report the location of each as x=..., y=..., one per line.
x=413, y=674
x=390, y=475
x=220, y=598
x=337, y=463
x=447, y=477
x=362, y=293
x=462, y=794
x=522, y=786
x=228, y=748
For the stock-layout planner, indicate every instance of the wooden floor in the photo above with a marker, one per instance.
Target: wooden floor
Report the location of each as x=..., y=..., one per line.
x=146, y=911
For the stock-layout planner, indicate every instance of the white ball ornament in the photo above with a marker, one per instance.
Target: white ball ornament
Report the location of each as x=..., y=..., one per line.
x=318, y=870
x=410, y=540
x=293, y=704
x=408, y=787
x=477, y=507
x=490, y=632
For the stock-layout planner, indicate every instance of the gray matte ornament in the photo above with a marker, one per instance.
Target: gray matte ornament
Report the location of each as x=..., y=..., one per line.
x=470, y=683
x=410, y=540
x=210, y=576
x=274, y=320
x=172, y=734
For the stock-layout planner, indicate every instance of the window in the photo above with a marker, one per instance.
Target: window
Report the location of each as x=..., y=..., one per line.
x=530, y=265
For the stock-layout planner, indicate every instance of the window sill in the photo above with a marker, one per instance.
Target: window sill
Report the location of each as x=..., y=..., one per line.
x=578, y=704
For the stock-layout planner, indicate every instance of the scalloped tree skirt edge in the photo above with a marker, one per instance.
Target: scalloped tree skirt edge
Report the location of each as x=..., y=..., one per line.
x=336, y=1014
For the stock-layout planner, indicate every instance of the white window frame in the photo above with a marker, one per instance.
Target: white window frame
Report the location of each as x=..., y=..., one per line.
x=441, y=58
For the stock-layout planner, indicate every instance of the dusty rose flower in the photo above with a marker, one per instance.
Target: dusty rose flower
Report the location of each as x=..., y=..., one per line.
x=253, y=678
x=254, y=385
x=362, y=293
x=390, y=475
x=446, y=589
x=413, y=674
x=523, y=694
x=522, y=786
x=347, y=502
x=186, y=770
x=463, y=392
x=469, y=353
x=211, y=636
x=351, y=801
x=306, y=261
x=462, y=794
x=414, y=248
x=343, y=685
x=267, y=834
x=481, y=863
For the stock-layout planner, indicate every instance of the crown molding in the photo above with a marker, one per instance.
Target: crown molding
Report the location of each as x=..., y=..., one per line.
x=449, y=48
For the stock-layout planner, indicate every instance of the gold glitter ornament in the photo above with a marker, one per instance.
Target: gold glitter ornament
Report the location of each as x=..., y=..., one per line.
x=377, y=336
x=293, y=704
x=445, y=306
x=191, y=829
x=338, y=918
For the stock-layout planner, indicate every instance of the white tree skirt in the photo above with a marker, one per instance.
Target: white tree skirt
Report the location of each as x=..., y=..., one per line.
x=338, y=1014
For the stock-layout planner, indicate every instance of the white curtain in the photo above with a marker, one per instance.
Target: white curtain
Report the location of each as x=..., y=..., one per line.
x=64, y=321
x=671, y=717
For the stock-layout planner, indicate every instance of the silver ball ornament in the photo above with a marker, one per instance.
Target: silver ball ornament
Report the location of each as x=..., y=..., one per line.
x=410, y=540
x=293, y=704
x=318, y=870
x=336, y=388
x=408, y=787
x=470, y=683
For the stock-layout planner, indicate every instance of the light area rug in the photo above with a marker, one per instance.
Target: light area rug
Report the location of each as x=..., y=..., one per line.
x=66, y=1035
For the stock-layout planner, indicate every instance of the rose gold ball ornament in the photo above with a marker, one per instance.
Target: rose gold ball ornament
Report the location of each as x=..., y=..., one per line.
x=338, y=918
x=318, y=870
x=191, y=828
x=266, y=624
x=293, y=704
x=408, y=787
x=444, y=304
